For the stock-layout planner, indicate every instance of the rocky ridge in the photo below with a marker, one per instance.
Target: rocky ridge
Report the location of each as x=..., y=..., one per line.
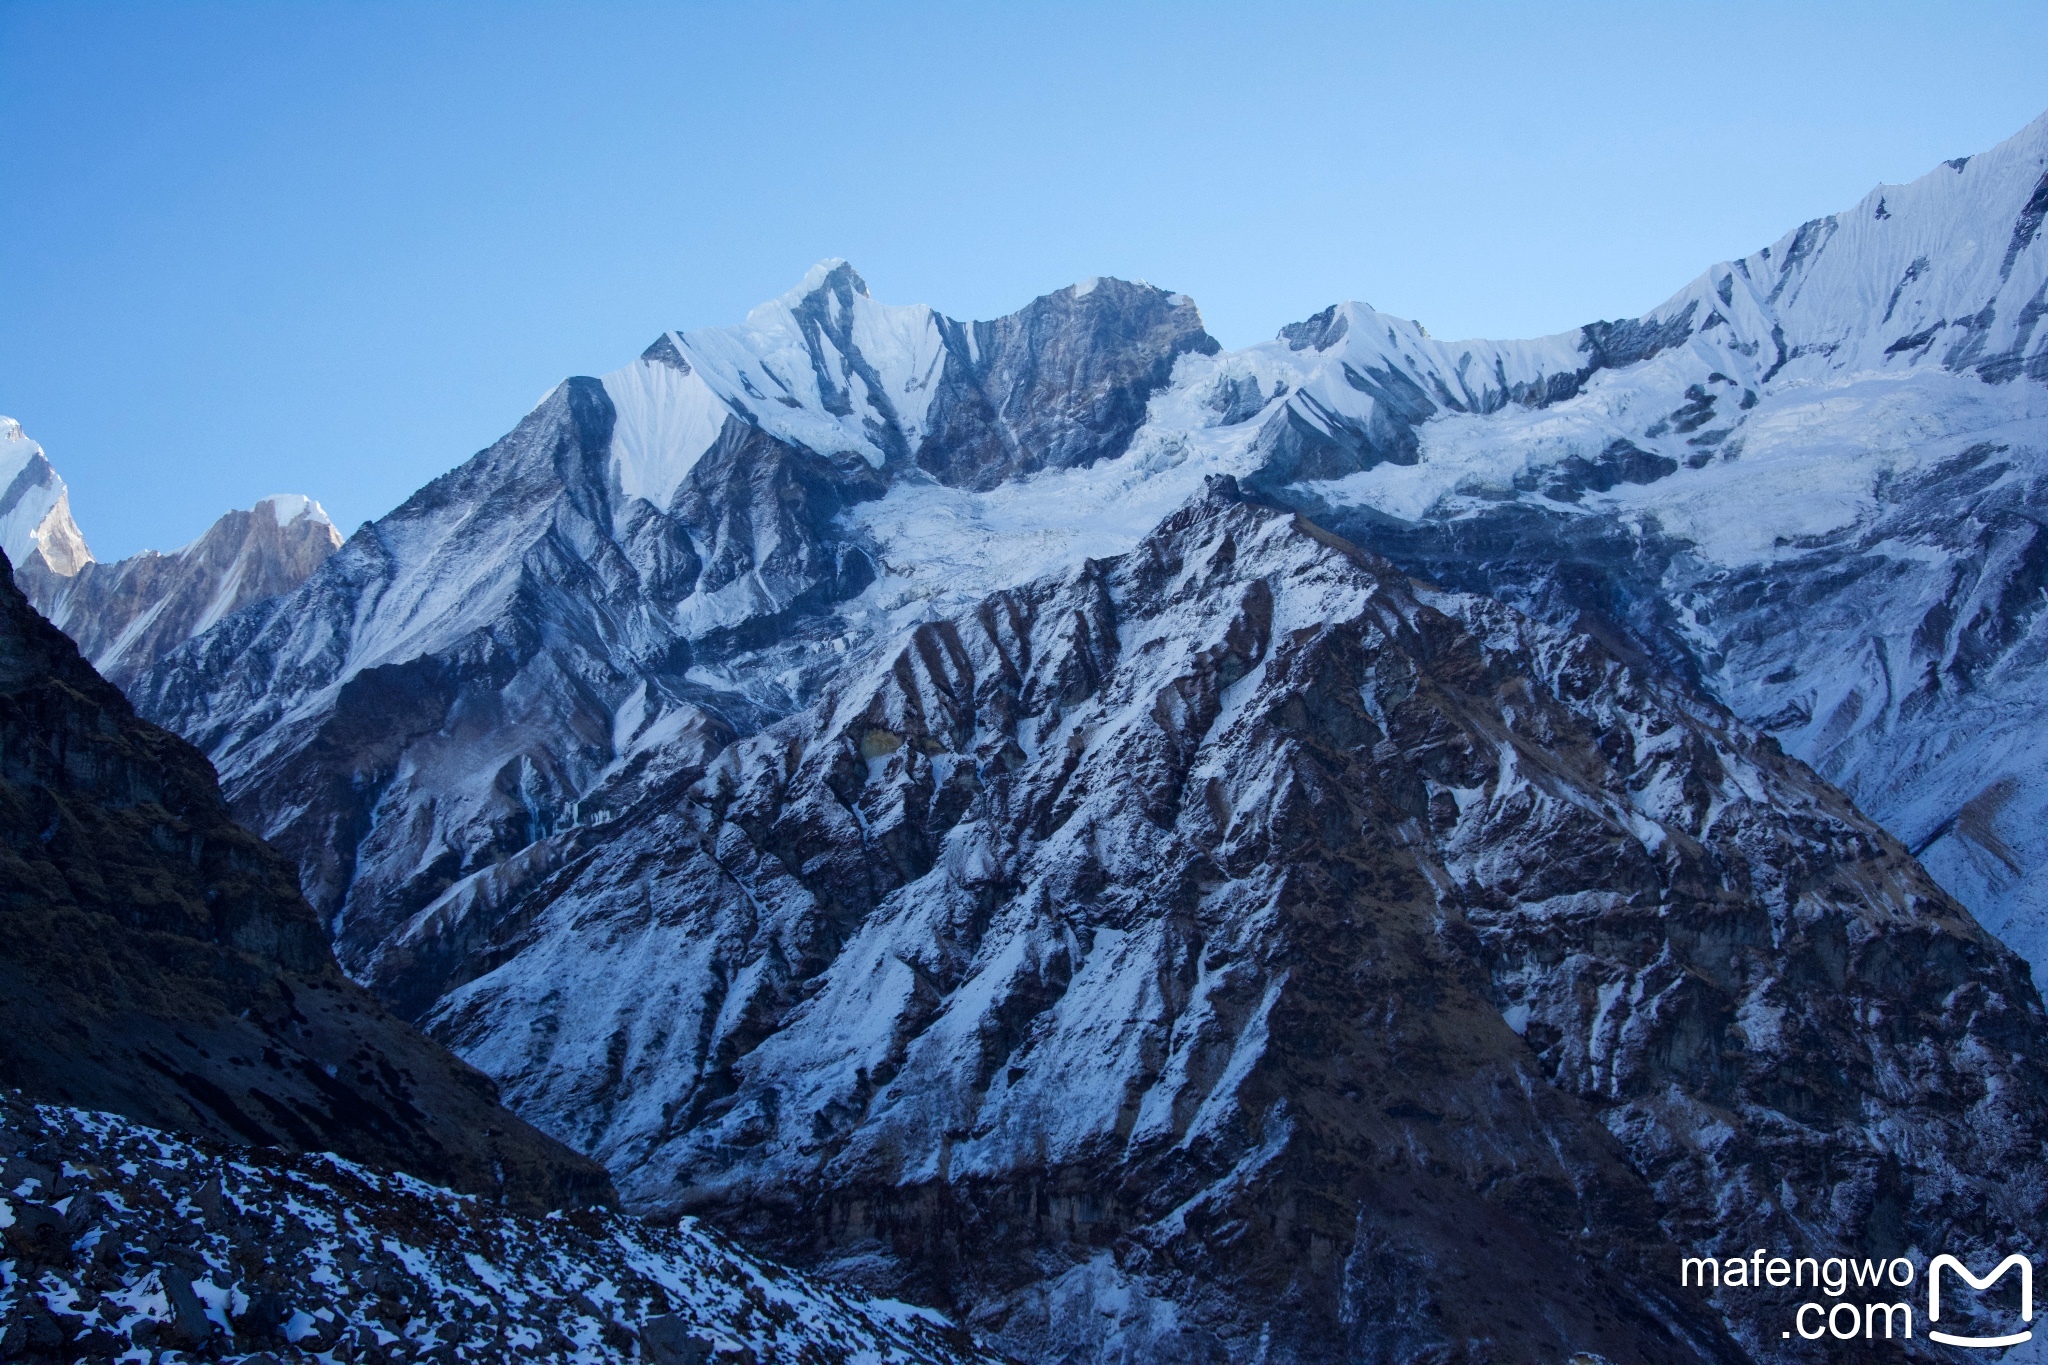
x=128, y=614
x=1811, y=482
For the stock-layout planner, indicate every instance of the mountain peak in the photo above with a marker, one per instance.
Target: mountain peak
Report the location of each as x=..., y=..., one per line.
x=35, y=509
x=128, y=614
x=833, y=270
x=289, y=507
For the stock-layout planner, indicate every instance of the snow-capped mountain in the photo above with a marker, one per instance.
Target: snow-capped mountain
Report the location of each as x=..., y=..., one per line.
x=1810, y=482
x=35, y=508
x=128, y=614
x=1816, y=489
x=868, y=775
x=648, y=566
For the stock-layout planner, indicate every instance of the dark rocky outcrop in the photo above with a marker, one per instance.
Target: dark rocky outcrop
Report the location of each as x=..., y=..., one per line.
x=1060, y=383
x=157, y=960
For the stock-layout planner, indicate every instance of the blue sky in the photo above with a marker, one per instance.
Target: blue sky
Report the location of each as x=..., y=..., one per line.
x=335, y=249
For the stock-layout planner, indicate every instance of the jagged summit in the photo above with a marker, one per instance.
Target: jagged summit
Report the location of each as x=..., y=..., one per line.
x=127, y=614
x=1059, y=383
x=834, y=272
x=1931, y=252
x=35, y=507
x=287, y=508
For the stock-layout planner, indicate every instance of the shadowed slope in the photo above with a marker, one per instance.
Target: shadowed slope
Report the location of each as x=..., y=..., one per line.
x=157, y=960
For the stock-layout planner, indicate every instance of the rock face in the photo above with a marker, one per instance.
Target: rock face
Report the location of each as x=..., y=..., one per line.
x=1234, y=948
x=128, y=614
x=156, y=959
x=124, y=1239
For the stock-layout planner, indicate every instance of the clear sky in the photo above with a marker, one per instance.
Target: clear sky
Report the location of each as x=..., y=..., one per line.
x=335, y=249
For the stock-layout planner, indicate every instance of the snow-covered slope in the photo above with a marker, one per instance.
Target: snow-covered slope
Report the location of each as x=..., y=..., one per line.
x=1811, y=482
x=1818, y=492
x=1059, y=384
x=35, y=508
x=123, y=1242
x=128, y=614
x=1170, y=959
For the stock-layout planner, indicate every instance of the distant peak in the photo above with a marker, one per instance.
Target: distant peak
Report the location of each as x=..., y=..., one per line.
x=826, y=273
x=289, y=507
x=10, y=430
x=665, y=351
